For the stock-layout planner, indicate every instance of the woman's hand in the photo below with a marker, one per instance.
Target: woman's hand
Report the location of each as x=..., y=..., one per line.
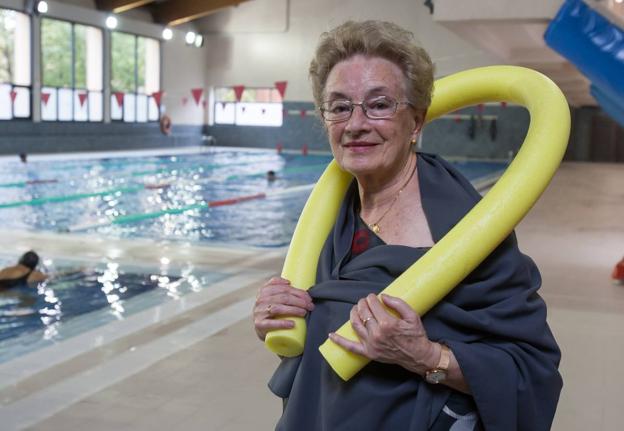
x=387, y=338
x=275, y=299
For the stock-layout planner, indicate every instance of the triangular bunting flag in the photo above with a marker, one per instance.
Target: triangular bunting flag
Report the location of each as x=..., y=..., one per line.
x=82, y=97
x=197, y=94
x=238, y=92
x=157, y=95
x=13, y=95
x=119, y=96
x=45, y=97
x=281, y=87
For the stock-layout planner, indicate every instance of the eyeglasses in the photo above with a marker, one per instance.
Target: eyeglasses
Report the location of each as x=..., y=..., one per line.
x=376, y=108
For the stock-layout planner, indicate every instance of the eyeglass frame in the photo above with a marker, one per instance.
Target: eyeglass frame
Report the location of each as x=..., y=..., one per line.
x=364, y=110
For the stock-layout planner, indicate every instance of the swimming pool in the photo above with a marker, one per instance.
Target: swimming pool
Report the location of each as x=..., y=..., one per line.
x=218, y=195
x=87, y=296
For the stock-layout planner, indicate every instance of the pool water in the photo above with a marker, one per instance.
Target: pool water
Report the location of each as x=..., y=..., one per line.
x=85, y=297
x=170, y=197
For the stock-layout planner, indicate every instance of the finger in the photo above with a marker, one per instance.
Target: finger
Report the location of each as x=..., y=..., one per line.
x=281, y=294
x=286, y=310
x=358, y=324
x=347, y=344
x=266, y=325
x=403, y=309
x=363, y=309
x=378, y=311
x=289, y=299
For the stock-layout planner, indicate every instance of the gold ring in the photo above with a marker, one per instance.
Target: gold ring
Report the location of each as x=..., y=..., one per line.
x=365, y=321
x=269, y=308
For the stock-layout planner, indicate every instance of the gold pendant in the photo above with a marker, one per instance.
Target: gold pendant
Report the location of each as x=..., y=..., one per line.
x=375, y=228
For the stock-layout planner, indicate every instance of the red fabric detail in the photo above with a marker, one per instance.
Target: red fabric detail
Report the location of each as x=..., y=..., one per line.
x=361, y=241
x=45, y=97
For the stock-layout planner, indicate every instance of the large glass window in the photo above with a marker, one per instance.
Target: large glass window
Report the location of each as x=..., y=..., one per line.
x=71, y=69
x=257, y=107
x=135, y=77
x=15, y=82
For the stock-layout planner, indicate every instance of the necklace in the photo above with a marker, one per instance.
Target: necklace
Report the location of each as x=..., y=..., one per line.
x=375, y=226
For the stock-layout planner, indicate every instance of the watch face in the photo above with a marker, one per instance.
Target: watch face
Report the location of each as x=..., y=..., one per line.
x=435, y=376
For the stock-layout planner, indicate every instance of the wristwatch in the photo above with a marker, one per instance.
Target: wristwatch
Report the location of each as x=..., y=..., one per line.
x=439, y=373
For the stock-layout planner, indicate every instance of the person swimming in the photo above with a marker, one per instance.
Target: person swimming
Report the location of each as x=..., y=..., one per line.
x=24, y=272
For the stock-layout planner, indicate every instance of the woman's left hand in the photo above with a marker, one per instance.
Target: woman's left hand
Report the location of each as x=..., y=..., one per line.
x=387, y=338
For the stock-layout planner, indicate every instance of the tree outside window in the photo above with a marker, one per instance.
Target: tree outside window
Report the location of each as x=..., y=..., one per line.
x=14, y=65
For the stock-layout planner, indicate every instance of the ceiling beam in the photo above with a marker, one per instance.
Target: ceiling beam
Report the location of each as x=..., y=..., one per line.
x=175, y=12
x=119, y=6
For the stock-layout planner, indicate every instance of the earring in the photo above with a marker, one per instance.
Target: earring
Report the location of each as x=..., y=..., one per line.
x=413, y=141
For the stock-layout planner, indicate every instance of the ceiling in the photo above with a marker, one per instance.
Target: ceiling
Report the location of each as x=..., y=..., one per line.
x=512, y=41
x=169, y=12
x=521, y=42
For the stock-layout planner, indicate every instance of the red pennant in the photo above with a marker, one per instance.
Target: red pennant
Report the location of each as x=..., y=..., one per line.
x=197, y=94
x=279, y=147
x=302, y=113
x=281, y=87
x=45, y=97
x=223, y=105
x=184, y=101
x=119, y=96
x=263, y=111
x=304, y=149
x=238, y=92
x=504, y=104
x=82, y=97
x=480, y=108
x=243, y=109
x=157, y=95
x=13, y=95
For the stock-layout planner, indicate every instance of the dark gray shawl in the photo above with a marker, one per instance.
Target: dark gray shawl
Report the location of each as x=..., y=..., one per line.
x=494, y=322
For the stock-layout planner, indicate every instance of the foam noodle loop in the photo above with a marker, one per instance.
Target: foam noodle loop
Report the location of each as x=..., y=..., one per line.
x=461, y=250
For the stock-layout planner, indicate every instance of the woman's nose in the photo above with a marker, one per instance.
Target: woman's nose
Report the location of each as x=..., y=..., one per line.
x=358, y=119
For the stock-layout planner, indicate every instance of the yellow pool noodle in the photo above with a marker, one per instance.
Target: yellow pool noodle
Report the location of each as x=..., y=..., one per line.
x=461, y=250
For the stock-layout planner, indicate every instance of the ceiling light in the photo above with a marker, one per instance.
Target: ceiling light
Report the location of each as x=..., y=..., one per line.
x=111, y=22
x=619, y=1
x=199, y=41
x=190, y=37
x=42, y=7
x=167, y=34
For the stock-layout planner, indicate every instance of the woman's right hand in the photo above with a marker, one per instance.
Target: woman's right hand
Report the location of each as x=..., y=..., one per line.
x=275, y=299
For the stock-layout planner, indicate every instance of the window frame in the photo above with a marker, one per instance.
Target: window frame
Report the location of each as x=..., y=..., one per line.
x=73, y=87
x=29, y=87
x=136, y=93
x=236, y=103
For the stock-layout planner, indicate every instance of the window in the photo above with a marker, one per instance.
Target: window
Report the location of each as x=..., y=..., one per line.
x=15, y=83
x=135, y=76
x=258, y=107
x=71, y=69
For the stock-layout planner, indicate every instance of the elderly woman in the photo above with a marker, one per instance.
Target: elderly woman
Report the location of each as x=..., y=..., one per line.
x=484, y=357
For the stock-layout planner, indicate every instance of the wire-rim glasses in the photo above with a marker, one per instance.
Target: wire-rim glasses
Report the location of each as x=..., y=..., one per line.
x=375, y=108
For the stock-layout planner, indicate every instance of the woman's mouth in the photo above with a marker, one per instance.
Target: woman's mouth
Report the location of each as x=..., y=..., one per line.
x=359, y=145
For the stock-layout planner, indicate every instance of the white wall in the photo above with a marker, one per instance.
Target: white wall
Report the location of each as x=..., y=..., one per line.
x=263, y=57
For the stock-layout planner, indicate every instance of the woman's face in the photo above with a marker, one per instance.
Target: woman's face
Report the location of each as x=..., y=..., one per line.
x=362, y=146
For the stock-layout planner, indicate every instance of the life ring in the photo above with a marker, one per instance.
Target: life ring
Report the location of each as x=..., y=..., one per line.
x=165, y=125
x=426, y=282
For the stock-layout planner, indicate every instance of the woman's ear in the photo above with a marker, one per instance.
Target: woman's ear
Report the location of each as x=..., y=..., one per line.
x=419, y=119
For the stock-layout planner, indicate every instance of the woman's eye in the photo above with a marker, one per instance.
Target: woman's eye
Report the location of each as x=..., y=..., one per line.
x=379, y=105
x=339, y=107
